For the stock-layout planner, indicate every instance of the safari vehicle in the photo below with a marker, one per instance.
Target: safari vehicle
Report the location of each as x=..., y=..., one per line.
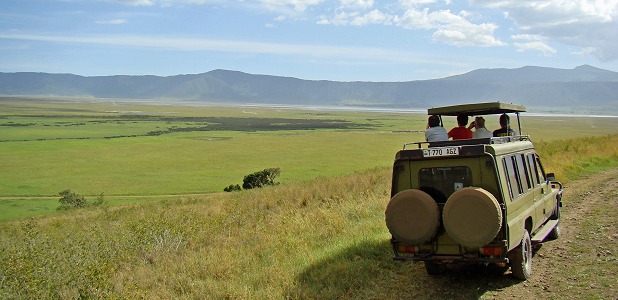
x=483, y=201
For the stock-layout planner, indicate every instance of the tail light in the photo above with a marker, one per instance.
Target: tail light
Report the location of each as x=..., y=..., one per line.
x=406, y=248
x=492, y=251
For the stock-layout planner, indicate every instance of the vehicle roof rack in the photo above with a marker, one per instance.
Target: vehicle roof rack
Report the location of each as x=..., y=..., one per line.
x=467, y=142
x=487, y=108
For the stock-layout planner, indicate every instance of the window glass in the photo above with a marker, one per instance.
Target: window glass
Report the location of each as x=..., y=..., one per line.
x=440, y=183
x=511, y=177
x=533, y=169
x=522, y=170
x=540, y=170
x=516, y=176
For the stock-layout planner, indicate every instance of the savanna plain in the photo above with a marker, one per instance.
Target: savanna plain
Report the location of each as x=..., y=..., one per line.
x=165, y=229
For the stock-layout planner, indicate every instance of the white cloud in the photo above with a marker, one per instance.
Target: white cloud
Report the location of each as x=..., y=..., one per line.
x=415, y=3
x=342, y=18
x=532, y=42
x=296, y=5
x=413, y=18
x=368, y=54
x=372, y=17
x=353, y=4
x=112, y=22
x=591, y=25
x=453, y=29
x=135, y=2
x=535, y=46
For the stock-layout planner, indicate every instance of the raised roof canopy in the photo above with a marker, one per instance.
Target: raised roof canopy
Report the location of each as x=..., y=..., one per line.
x=476, y=109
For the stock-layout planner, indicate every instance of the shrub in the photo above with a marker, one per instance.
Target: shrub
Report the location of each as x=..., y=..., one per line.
x=232, y=188
x=261, y=178
x=71, y=200
x=256, y=180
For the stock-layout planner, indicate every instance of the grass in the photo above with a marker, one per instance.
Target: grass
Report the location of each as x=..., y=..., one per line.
x=322, y=238
x=319, y=235
x=574, y=158
x=128, y=150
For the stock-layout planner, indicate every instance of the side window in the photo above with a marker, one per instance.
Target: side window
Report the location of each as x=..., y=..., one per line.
x=533, y=169
x=512, y=178
x=540, y=170
x=522, y=170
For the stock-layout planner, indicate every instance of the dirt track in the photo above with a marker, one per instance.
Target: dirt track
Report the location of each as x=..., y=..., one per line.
x=582, y=263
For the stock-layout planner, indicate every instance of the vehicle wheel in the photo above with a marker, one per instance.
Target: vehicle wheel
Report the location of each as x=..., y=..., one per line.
x=433, y=268
x=555, y=233
x=412, y=216
x=472, y=217
x=521, y=258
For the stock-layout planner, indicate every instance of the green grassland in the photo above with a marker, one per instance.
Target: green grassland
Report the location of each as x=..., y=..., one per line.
x=319, y=235
x=139, y=151
x=319, y=239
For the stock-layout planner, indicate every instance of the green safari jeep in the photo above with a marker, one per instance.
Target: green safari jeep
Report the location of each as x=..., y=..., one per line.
x=472, y=201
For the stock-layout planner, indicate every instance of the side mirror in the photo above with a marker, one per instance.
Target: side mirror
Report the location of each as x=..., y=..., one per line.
x=551, y=177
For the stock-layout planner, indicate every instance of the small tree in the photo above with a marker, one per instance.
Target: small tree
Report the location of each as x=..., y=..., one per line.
x=261, y=178
x=71, y=200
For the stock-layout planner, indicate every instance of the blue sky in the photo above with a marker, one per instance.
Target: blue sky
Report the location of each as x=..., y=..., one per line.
x=345, y=40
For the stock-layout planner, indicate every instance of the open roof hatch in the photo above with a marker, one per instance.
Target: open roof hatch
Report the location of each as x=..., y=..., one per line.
x=478, y=109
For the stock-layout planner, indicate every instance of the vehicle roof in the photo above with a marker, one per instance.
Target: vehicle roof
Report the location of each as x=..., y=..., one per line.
x=487, y=108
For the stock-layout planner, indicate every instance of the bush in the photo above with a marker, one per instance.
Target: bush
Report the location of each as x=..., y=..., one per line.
x=72, y=200
x=256, y=180
x=232, y=188
x=261, y=178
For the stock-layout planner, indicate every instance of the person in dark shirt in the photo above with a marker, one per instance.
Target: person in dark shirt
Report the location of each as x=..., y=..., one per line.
x=460, y=132
x=505, y=127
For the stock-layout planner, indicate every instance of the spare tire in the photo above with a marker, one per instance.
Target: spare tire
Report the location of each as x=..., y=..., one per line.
x=412, y=216
x=472, y=217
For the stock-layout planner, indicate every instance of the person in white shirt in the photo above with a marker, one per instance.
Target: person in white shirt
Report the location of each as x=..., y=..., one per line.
x=480, y=130
x=435, y=132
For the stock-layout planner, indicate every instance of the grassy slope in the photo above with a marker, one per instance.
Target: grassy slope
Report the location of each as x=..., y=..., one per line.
x=324, y=238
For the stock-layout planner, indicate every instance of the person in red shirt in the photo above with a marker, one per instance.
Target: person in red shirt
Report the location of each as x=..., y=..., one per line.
x=461, y=132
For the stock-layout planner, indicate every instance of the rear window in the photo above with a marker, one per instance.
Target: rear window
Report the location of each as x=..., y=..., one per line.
x=440, y=183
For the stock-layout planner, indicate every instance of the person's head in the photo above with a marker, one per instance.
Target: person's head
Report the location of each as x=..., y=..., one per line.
x=434, y=121
x=479, y=122
x=504, y=120
x=462, y=120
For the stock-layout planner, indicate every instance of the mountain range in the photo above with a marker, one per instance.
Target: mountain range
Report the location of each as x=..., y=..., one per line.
x=584, y=89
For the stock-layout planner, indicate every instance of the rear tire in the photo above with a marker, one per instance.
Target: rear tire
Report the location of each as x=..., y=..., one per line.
x=412, y=217
x=521, y=258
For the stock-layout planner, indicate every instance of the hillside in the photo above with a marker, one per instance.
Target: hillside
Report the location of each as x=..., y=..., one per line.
x=584, y=89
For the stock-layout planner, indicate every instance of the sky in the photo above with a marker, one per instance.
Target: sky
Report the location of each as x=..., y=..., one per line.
x=344, y=40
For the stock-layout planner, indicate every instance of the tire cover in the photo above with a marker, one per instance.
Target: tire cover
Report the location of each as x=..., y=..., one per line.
x=412, y=216
x=472, y=217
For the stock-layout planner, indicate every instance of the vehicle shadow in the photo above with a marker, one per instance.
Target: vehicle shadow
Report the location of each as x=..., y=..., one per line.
x=367, y=271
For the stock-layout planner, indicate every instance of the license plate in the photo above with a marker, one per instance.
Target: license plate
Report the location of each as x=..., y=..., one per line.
x=442, y=151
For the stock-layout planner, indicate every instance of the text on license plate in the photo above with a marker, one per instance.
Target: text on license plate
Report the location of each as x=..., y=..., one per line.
x=442, y=151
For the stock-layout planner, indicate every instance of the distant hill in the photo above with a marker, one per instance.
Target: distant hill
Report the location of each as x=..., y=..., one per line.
x=584, y=89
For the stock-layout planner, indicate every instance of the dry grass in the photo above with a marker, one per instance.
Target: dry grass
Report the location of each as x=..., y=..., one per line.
x=323, y=238
x=574, y=158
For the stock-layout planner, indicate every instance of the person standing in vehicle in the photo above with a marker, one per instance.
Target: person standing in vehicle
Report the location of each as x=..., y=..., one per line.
x=460, y=132
x=480, y=131
x=435, y=132
x=505, y=129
